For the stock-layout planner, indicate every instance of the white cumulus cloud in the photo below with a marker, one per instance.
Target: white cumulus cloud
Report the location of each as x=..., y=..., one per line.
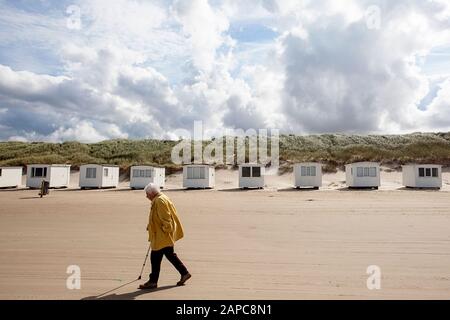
x=139, y=69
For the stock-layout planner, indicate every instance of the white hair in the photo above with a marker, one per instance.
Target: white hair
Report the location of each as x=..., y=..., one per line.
x=152, y=188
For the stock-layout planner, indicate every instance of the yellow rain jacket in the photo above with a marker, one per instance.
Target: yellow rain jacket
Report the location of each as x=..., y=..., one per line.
x=164, y=228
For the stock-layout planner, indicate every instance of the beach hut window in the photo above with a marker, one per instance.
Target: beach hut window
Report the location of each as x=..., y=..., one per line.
x=428, y=172
x=435, y=173
x=360, y=172
x=91, y=173
x=196, y=173
x=105, y=172
x=38, y=172
x=246, y=172
x=142, y=173
x=308, y=171
x=366, y=172
x=201, y=173
x=256, y=171
x=421, y=172
x=0, y=172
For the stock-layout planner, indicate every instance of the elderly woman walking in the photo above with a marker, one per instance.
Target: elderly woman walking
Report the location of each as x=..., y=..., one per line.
x=164, y=229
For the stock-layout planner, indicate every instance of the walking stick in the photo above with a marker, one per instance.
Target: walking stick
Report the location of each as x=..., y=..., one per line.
x=145, y=261
x=140, y=277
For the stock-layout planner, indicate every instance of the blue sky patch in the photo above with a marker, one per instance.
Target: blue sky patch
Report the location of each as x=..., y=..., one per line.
x=252, y=32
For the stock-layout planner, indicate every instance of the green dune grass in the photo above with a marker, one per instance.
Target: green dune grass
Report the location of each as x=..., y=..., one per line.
x=334, y=150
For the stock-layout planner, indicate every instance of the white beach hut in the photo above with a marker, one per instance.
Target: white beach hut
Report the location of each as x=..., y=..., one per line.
x=58, y=175
x=10, y=177
x=198, y=177
x=251, y=175
x=141, y=176
x=308, y=175
x=99, y=176
x=422, y=176
x=363, y=175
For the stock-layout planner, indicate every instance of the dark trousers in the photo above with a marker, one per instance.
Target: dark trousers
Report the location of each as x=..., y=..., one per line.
x=156, y=259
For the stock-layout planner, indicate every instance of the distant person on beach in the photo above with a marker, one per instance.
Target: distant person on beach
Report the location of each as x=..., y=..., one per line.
x=164, y=229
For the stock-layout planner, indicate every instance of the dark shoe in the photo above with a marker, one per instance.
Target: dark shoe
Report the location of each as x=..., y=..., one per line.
x=148, y=286
x=184, y=278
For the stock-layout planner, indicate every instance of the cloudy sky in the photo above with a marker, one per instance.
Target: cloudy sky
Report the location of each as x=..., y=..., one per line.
x=91, y=70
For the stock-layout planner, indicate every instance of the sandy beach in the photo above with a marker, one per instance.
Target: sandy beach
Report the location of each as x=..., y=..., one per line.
x=276, y=243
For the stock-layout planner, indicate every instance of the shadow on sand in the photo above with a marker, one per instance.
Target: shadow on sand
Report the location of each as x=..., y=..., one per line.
x=127, y=296
x=119, y=190
x=240, y=189
x=353, y=189
x=300, y=190
x=13, y=189
x=92, y=189
x=187, y=189
x=418, y=189
x=73, y=189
